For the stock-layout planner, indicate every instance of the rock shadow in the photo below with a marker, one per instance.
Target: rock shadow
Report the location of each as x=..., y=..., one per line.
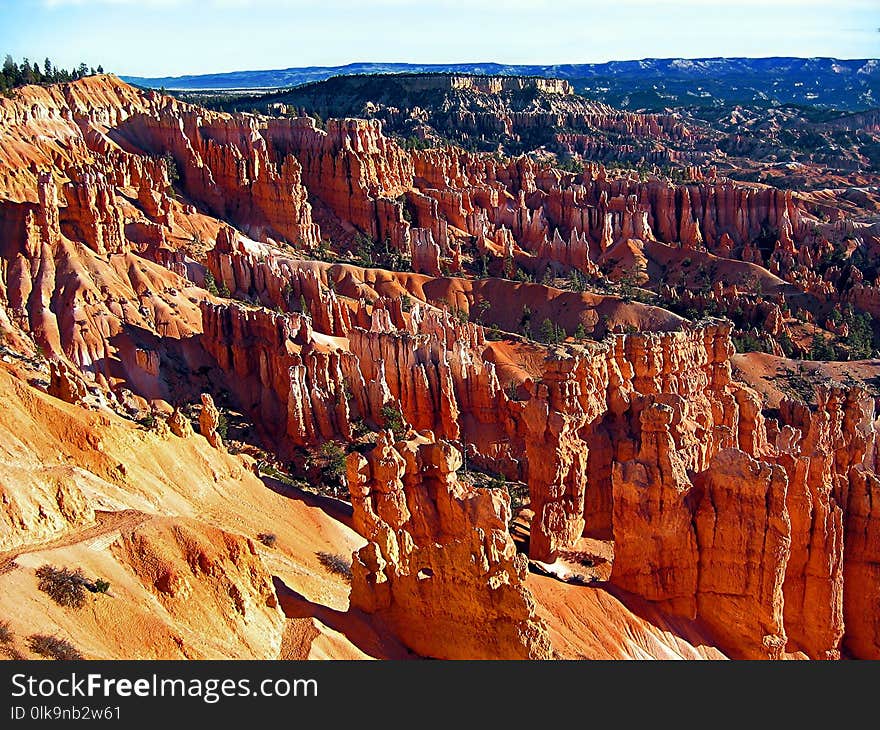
x=334, y=508
x=355, y=625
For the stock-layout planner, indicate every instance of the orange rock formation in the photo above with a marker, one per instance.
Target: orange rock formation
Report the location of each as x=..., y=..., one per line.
x=749, y=530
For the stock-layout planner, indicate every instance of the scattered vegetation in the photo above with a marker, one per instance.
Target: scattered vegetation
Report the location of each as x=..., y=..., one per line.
x=459, y=314
x=6, y=634
x=577, y=281
x=393, y=419
x=336, y=564
x=748, y=342
x=570, y=164
x=522, y=275
x=860, y=341
x=415, y=143
x=369, y=253
x=525, y=322
x=552, y=333
x=222, y=423
x=101, y=586
x=171, y=168
x=268, y=539
x=211, y=284
x=333, y=463
x=821, y=349
x=53, y=647
x=787, y=345
x=66, y=587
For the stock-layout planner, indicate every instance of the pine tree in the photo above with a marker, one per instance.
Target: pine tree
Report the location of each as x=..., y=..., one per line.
x=210, y=283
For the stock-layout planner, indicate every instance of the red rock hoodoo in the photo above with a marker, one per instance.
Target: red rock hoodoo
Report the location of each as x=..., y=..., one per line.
x=506, y=363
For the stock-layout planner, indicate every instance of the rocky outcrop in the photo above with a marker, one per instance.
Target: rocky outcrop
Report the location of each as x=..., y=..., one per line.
x=93, y=215
x=833, y=452
x=424, y=253
x=181, y=426
x=761, y=543
x=743, y=533
x=277, y=283
x=82, y=297
x=439, y=567
x=656, y=553
x=227, y=165
x=209, y=422
x=292, y=387
x=66, y=383
x=861, y=558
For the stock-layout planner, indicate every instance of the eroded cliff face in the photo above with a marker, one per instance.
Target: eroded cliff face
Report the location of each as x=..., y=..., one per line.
x=439, y=567
x=119, y=208
x=759, y=540
x=645, y=438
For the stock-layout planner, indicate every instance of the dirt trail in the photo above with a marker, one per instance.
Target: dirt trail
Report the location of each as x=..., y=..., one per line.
x=106, y=524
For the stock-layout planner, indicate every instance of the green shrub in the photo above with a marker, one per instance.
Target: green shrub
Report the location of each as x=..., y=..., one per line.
x=821, y=349
x=211, y=283
x=860, y=340
x=101, y=586
x=747, y=342
x=393, y=419
x=222, y=424
x=333, y=456
x=552, y=333
x=171, y=167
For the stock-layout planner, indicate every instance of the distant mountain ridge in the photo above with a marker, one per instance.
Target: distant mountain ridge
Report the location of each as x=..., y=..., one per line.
x=852, y=84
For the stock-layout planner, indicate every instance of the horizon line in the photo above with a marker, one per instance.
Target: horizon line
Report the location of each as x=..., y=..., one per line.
x=502, y=63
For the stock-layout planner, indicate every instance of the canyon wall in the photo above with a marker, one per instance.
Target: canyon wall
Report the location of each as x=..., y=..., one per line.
x=758, y=525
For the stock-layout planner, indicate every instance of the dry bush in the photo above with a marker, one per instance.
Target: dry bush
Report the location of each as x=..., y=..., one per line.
x=335, y=563
x=53, y=647
x=66, y=587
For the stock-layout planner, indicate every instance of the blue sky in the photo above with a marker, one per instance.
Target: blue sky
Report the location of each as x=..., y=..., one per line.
x=173, y=37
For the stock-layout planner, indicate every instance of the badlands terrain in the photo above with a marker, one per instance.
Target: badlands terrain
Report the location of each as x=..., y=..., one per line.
x=285, y=385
